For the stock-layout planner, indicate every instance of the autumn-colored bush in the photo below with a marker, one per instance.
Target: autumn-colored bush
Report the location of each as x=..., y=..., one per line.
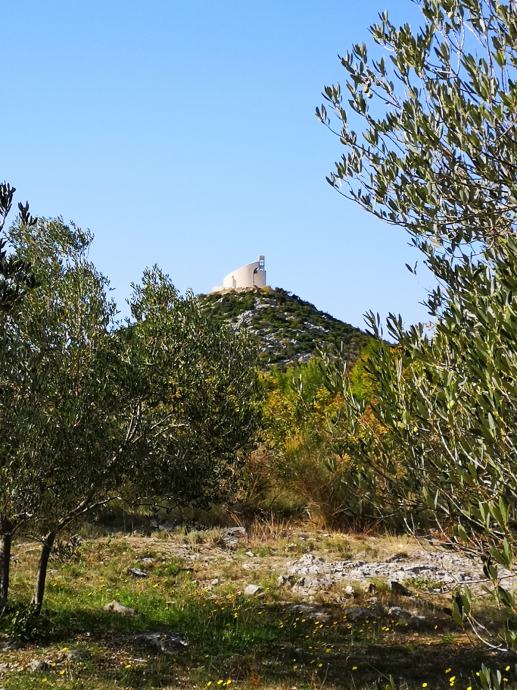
x=307, y=463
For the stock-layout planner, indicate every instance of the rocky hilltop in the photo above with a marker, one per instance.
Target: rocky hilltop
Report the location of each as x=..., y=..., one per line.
x=288, y=328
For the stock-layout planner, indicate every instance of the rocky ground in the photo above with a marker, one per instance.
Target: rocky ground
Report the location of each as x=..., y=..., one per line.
x=316, y=571
x=435, y=571
x=269, y=608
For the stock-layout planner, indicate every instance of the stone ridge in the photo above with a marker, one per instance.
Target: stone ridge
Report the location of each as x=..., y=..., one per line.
x=288, y=328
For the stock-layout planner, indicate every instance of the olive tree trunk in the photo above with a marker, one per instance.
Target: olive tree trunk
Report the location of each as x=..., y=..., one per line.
x=6, y=539
x=41, y=577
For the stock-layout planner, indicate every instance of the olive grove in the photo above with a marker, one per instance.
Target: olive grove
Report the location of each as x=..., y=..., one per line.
x=160, y=407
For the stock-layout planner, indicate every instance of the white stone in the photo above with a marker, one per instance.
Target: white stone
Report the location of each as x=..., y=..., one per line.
x=116, y=607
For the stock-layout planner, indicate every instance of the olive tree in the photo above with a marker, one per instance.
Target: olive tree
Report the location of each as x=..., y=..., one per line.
x=163, y=407
x=199, y=396
x=15, y=275
x=443, y=426
x=435, y=152
x=65, y=415
x=15, y=279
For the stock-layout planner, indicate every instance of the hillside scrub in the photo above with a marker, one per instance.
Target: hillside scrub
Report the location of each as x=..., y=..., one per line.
x=288, y=330
x=304, y=466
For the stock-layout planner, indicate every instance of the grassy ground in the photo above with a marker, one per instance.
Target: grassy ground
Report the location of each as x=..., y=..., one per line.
x=195, y=590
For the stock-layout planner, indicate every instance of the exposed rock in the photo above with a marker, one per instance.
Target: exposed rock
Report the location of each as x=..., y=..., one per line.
x=286, y=580
x=349, y=591
x=440, y=568
x=309, y=611
x=38, y=665
x=78, y=654
x=399, y=589
x=232, y=536
x=10, y=645
x=116, y=607
x=399, y=613
x=287, y=328
x=137, y=572
x=308, y=564
x=361, y=614
x=253, y=591
x=418, y=621
x=410, y=618
x=166, y=643
x=306, y=609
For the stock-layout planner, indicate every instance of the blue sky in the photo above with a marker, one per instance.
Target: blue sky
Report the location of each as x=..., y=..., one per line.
x=183, y=134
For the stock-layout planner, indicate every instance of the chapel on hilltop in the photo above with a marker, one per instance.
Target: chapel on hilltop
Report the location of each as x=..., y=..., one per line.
x=246, y=277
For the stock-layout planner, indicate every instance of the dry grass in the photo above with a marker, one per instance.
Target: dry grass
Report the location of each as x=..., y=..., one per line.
x=194, y=589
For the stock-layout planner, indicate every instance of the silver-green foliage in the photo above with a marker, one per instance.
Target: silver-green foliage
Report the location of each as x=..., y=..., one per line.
x=15, y=275
x=199, y=395
x=436, y=154
x=435, y=151
x=164, y=405
x=62, y=414
x=448, y=401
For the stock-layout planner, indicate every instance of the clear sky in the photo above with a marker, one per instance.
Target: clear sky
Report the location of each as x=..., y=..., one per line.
x=183, y=134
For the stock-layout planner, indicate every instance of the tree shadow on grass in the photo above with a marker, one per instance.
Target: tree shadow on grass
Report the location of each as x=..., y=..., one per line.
x=250, y=641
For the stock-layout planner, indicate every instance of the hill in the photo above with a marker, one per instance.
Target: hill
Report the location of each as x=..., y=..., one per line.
x=289, y=329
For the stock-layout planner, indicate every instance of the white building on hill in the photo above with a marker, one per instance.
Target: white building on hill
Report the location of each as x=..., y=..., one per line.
x=249, y=276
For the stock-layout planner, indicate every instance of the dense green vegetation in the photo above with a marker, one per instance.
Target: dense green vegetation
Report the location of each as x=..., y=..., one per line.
x=435, y=153
x=288, y=329
x=15, y=275
x=160, y=408
x=172, y=407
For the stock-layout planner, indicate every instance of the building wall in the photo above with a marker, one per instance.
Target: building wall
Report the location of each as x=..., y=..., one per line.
x=248, y=276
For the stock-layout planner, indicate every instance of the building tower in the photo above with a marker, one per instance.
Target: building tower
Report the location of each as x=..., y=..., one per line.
x=251, y=275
